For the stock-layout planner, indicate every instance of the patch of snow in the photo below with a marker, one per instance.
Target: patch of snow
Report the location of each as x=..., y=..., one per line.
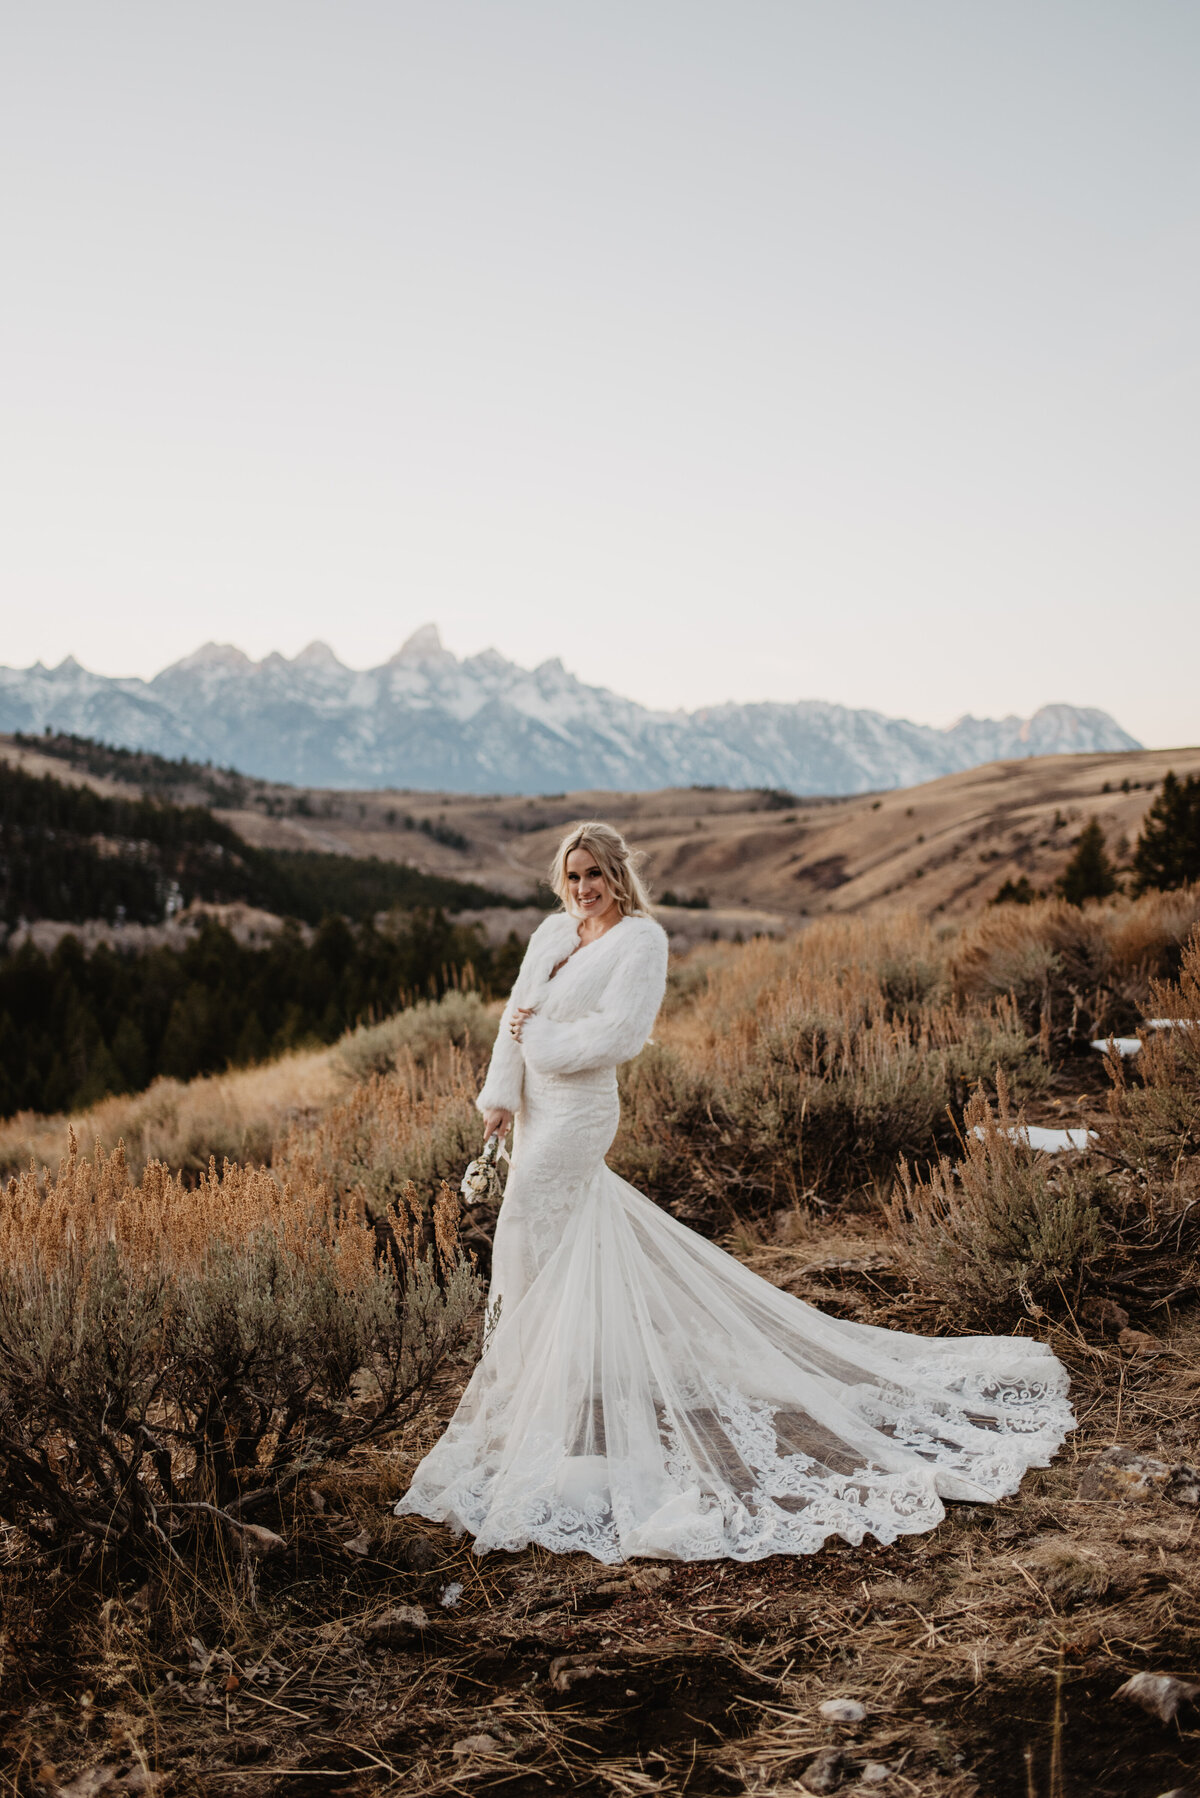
x=1049, y=1142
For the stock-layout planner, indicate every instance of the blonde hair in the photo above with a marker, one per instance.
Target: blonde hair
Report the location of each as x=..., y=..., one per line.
x=619, y=864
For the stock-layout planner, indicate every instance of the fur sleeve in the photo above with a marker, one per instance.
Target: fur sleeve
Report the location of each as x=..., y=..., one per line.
x=506, y=1071
x=619, y=1025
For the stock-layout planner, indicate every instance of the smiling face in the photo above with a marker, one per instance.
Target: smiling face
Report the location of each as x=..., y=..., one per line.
x=589, y=891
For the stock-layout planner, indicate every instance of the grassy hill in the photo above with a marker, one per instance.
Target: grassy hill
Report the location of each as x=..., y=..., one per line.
x=944, y=848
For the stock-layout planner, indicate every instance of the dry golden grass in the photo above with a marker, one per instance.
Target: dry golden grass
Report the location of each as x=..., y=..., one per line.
x=183, y=1123
x=243, y=1116
x=1098, y=963
x=414, y=1126
x=159, y=1226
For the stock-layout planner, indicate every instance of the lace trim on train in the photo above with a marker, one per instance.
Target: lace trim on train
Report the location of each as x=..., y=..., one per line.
x=787, y=1503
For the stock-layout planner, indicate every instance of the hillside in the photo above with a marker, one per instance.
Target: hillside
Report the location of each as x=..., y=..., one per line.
x=764, y=859
x=944, y=847
x=73, y=852
x=147, y=938
x=428, y=720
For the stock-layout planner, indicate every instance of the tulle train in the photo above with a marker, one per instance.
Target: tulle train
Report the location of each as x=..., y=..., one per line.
x=647, y=1395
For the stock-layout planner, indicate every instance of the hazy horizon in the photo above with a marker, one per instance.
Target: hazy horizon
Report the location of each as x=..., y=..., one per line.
x=802, y=349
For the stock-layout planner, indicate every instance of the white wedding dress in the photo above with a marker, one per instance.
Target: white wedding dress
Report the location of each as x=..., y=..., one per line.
x=643, y=1393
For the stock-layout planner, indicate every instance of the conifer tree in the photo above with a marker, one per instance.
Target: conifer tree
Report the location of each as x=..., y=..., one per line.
x=1168, y=849
x=1089, y=873
x=1016, y=892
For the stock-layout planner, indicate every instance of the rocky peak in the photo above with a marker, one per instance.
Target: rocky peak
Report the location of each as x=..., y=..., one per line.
x=225, y=656
x=316, y=655
x=423, y=648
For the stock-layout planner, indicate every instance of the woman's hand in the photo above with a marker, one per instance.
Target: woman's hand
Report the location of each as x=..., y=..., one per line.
x=496, y=1123
x=519, y=1020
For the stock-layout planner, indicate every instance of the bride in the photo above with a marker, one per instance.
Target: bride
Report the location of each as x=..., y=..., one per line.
x=640, y=1391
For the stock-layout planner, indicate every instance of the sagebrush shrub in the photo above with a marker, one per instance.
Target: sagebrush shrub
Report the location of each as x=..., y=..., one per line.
x=169, y=1355
x=1085, y=971
x=806, y=1067
x=1002, y=1227
x=459, y=1019
x=1153, y=1122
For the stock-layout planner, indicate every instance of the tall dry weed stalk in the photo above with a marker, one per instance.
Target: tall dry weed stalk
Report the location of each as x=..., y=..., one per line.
x=415, y=1125
x=169, y=1356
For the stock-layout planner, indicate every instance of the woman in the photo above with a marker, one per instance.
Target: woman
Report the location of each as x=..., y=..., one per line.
x=643, y=1393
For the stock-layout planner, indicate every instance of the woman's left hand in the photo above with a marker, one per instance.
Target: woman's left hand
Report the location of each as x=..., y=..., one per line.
x=519, y=1020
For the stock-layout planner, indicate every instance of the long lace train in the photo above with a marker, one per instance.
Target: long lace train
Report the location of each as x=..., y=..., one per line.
x=644, y=1394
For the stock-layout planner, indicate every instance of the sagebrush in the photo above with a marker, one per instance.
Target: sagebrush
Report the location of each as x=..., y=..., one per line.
x=171, y=1357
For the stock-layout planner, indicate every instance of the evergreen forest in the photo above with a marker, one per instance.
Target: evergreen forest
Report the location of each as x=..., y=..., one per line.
x=75, y=1027
x=71, y=854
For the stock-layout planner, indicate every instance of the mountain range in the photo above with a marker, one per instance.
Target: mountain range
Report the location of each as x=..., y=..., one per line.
x=428, y=720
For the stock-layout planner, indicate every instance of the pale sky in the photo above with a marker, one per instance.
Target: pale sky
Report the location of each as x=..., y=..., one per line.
x=839, y=349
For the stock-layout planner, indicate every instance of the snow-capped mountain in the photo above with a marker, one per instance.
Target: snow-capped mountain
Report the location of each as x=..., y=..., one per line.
x=483, y=725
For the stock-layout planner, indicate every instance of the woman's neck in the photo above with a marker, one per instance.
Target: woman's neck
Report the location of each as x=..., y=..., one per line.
x=590, y=928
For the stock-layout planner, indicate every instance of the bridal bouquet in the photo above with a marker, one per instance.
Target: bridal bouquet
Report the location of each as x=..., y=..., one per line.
x=481, y=1182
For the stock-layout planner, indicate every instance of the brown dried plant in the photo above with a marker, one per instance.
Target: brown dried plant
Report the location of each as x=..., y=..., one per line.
x=417, y=1124
x=168, y=1355
x=1002, y=1228
x=1090, y=969
x=1152, y=1129
x=806, y=1067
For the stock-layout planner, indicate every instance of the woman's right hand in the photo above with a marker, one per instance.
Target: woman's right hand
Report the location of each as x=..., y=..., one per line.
x=496, y=1123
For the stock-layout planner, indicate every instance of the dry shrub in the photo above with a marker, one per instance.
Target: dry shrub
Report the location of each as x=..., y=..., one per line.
x=171, y=1355
x=459, y=1019
x=808, y=1065
x=1153, y=1123
x=1001, y=1228
x=1081, y=971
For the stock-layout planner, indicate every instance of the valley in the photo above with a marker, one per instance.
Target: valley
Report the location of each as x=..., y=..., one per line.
x=765, y=861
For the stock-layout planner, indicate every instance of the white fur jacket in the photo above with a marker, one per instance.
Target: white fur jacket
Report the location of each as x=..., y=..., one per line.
x=596, y=1012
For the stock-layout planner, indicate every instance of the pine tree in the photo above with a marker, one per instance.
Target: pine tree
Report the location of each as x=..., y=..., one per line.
x=1089, y=873
x=1016, y=892
x=1168, y=850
